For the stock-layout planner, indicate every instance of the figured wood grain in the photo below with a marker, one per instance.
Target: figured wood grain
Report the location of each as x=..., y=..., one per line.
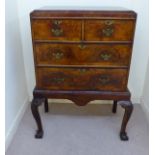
x=42, y=30
x=123, y=30
x=81, y=79
x=83, y=54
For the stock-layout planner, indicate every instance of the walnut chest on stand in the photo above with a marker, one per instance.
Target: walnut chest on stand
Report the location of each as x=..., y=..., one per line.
x=82, y=56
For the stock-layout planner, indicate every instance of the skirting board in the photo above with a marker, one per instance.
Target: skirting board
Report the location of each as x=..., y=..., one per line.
x=145, y=109
x=15, y=123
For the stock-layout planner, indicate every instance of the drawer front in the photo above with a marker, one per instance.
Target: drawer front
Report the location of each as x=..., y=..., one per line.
x=81, y=79
x=83, y=54
x=109, y=30
x=56, y=30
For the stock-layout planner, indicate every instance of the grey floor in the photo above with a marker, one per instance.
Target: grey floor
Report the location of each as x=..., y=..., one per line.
x=88, y=130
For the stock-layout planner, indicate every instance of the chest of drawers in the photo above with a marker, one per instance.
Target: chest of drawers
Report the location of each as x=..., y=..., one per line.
x=82, y=56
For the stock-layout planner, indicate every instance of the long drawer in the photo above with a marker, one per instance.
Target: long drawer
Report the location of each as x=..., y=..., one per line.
x=83, y=54
x=81, y=79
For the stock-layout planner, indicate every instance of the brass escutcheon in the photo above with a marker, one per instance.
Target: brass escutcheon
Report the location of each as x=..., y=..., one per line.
x=58, y=80
x=82, y=46
x=57, y=22
x=57, y=32
x=108, y=22
x=104, y=80
x=82, y=70
x=105, y=56
x=108, y=31
x=58, y=55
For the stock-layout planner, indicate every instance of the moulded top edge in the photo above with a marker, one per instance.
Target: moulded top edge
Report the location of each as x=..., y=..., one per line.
x=115, y=13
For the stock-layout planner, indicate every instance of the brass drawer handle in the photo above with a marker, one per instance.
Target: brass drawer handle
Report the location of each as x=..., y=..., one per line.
x=82, y=70
x=58, y=55
x=104, y=80
x=82, y=46
x=108, y=22
x=58, y=80
x=108, y=31
x=105, y=56
x=56, y=22
x=57, y=32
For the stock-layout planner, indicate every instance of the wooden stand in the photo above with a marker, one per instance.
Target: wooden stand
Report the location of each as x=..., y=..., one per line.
x=81, y=98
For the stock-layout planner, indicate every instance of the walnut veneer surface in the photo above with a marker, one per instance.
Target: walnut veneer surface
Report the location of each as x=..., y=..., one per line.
x=82, y=56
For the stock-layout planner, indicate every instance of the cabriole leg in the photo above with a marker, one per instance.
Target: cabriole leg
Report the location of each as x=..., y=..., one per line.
x=36, y=102
x=128, y=106
x=114, y=108
x=46, y=105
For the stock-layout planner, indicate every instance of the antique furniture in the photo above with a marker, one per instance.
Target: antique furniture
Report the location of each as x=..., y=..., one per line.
x=82, y=56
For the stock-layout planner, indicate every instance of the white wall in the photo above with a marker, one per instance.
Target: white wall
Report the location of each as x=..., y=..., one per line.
x=16, y=89
x=140, y=50
x=145, y=94
x=140, y=53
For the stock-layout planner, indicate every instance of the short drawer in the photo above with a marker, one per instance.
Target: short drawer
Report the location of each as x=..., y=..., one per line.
x=82, y=79
x=83, y=54
x=59, y=30
x=109, y=30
